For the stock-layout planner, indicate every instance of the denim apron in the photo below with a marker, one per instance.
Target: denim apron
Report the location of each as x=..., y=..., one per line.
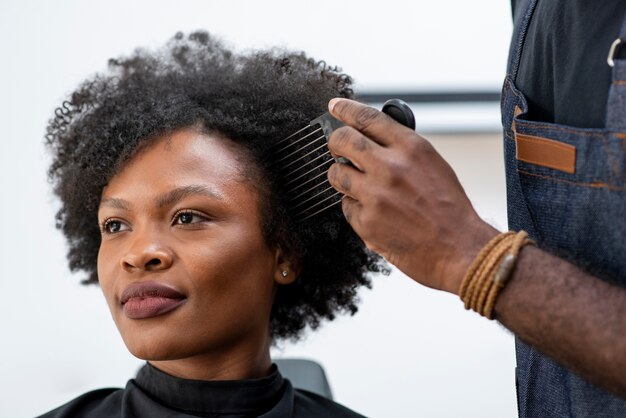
x=566, y=187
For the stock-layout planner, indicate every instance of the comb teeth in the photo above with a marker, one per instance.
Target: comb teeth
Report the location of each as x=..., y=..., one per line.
x=303, y=159
x=331, y=201
x=293, y=150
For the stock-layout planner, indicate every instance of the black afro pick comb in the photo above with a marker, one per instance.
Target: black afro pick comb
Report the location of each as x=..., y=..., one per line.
x=303, y=159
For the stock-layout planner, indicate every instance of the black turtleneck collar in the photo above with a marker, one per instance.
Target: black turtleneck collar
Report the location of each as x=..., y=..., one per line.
x=156, y=394
x=236, y=398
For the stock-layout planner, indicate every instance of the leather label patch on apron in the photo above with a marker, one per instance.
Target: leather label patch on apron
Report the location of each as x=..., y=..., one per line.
x=546, y=152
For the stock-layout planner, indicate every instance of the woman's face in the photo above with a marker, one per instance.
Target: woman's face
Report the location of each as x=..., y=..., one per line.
x=183, y=263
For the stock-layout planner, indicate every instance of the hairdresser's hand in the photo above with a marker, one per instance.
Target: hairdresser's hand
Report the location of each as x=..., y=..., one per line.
x=404, y=200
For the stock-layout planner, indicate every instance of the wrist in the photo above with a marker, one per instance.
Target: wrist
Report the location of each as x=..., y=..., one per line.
x=468, y=248
x=491, y=270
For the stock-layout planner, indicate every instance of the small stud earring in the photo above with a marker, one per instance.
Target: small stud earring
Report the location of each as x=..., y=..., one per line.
x=285, y=273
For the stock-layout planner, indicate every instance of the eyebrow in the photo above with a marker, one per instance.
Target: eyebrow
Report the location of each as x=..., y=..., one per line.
x=180, y=193
x=115, y=203
x=166, y=199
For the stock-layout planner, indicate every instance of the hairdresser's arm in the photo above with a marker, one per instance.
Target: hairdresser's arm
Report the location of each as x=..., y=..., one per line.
x=407, y=204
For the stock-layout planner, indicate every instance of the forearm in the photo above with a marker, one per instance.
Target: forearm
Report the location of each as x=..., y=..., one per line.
x=576, y=319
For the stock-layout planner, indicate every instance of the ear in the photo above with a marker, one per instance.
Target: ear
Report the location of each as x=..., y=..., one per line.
x=286, y=269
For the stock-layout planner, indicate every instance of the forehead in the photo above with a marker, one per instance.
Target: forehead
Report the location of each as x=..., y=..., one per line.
x=182, y=158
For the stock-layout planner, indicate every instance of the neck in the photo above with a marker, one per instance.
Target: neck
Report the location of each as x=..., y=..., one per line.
x=231, y=364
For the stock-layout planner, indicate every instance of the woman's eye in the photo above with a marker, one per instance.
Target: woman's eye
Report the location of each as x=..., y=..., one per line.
x=182, y=218
x=113, y=226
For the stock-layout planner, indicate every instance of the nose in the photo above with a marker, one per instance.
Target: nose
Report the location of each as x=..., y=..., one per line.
x=147, y=253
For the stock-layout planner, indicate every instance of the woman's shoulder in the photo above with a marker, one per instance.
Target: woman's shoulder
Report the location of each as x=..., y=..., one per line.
x=96, y=403
x=310, y=405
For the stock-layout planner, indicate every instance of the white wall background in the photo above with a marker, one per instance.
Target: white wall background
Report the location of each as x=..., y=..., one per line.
x=408, y=352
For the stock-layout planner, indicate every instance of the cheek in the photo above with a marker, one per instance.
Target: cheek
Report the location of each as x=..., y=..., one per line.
x=236, y=274
x=106, y=265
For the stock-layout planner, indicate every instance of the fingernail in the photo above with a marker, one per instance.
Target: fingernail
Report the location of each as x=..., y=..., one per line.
x=332, y=103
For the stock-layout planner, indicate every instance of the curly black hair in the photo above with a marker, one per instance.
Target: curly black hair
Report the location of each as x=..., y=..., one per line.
x=254, y=99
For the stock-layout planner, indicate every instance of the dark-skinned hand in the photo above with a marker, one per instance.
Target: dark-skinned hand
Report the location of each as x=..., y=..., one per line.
x=403, y=199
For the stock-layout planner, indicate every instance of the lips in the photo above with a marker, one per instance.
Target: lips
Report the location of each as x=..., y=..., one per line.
x=149, y=299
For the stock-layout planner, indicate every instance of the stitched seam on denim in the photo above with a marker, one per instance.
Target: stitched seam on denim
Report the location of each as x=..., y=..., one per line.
x=620, y=100
x=613, y=112
x=608, y=154
x=520, y=37
x=520, y=98
x=552, y=166
x=624, y=153
x=558, y=128
x=611, y=159
x=622, y=137
x=509, y=134
x=611, y=116
x=518, y=95
x=610, y=108
x=507, y=88
x=504, y=97
x=574, y=183
x=514, y=121
x=509, y=131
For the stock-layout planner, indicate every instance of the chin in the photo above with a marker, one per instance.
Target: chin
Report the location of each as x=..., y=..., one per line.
x=155, y=351
x=151, y=345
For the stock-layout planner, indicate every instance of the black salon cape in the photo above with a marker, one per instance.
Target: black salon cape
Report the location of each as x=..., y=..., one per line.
x=154, y=394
